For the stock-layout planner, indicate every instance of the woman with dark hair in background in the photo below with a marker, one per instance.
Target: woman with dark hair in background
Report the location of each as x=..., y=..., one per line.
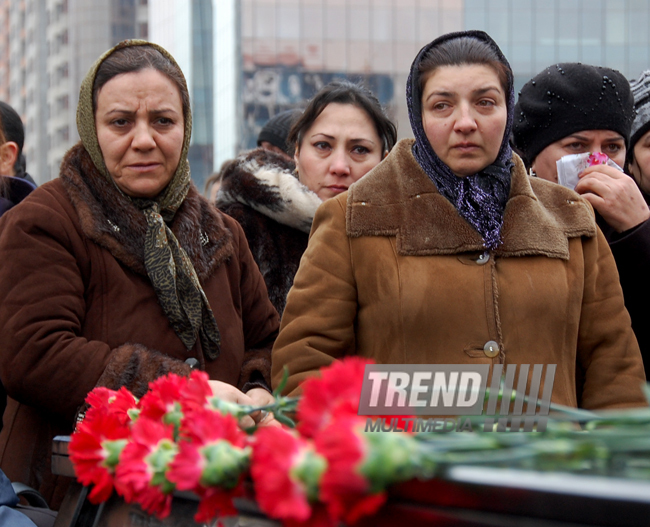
x=340, y=136
x=118, y=271
x=447, y=253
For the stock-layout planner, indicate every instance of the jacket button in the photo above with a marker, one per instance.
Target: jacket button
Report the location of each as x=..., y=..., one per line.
x=491, y=349
x=483, y=259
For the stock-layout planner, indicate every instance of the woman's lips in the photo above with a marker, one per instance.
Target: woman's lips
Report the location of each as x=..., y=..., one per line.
x=144, y=167
x=465, y=147
x=337, y=188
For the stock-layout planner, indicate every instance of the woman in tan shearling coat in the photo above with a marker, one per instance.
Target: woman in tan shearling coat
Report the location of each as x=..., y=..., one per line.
x=448, y=253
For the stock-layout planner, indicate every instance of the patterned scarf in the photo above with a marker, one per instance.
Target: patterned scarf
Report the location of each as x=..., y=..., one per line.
x=480, y=198
x=169, y=268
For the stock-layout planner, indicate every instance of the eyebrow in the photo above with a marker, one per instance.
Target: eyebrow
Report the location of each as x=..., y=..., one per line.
x=616, y=137
x=332, y=138
x=478, y=91
x=122, y=111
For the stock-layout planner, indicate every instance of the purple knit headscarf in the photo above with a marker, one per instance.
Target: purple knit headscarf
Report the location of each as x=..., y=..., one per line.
x=480, y=198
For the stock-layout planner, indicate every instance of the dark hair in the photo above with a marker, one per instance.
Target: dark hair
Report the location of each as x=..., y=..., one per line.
x=345, y=92
x=464, y=51
x=135, y=58
x=12, y=126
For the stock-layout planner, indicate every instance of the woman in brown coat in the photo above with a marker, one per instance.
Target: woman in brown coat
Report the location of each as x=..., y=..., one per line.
x=119, y=271
x=447, y=253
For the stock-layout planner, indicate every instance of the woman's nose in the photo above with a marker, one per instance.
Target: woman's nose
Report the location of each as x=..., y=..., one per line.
x=339, y=162
x=465, y=122
x=143, y=137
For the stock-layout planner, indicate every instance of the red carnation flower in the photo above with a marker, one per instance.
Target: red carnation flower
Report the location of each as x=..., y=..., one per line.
x=95, y=449
x=211, y=461
x=361, y=465
x=141, y=475
x=118, y=402
x=197, y=390
x=343, y=487
x=163, y=400
x=337, y=389
x=286, y=471
x=198, y=394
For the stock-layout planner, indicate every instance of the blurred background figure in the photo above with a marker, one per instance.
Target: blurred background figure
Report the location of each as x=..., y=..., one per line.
x=12, y=160
x=273, y=135
x=591, y=109
x=212, y=186
x=12, y=189
x=638, y=153
x=341, y=135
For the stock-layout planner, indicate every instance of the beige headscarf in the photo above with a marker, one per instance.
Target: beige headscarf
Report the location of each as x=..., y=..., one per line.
x=169, y=268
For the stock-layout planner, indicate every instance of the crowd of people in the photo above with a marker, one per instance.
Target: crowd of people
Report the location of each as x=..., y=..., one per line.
x=330, y=239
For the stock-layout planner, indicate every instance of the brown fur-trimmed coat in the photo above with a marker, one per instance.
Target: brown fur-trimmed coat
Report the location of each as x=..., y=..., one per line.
x=260, y=190
x=77, y=309
x=392, y=272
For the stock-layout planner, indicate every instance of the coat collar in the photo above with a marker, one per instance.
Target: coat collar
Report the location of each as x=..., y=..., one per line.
x=265, y=181
x=398, y=199
x=109, y=219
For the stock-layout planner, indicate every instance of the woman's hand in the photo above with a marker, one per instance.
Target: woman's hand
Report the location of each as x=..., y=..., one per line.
x=261, y=397
x=229, y=393
x=614, y=195
x=255, y=397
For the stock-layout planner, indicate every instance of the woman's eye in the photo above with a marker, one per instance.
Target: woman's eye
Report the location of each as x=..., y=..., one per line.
x=613, y=148
x=574, y=146
x=487, y=103
x=321, y=145
x=120, y=122
x=361, y=150
x=165, y=121
x=439, y=106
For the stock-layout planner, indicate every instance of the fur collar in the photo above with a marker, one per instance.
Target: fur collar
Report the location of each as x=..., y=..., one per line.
x=110, y=219
x=265, y=182
x=539, y=217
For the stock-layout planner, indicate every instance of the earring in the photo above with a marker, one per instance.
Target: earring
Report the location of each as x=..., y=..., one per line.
x=531, y=172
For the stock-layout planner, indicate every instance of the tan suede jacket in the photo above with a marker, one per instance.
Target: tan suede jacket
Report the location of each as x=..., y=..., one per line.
x=392, y=272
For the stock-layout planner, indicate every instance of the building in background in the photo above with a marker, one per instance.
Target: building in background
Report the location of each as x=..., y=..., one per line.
x=246, y=60
x=289, y=48
x=51, y=45
x=187, y=30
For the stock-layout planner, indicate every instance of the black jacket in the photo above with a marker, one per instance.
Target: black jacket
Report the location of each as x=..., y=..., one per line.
x=631, y=250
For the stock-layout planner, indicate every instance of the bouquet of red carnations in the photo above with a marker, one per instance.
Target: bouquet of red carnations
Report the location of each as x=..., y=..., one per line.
x=179, y=436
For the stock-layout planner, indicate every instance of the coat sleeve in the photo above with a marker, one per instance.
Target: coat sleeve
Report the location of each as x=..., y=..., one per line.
x=609, y=361
x=632, y=254
x=318, y=323
x=45, y=362
x=260, y=319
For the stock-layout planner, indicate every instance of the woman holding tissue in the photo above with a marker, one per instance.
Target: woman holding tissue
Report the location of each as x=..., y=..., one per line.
x=447, y=252
x=575, y=108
